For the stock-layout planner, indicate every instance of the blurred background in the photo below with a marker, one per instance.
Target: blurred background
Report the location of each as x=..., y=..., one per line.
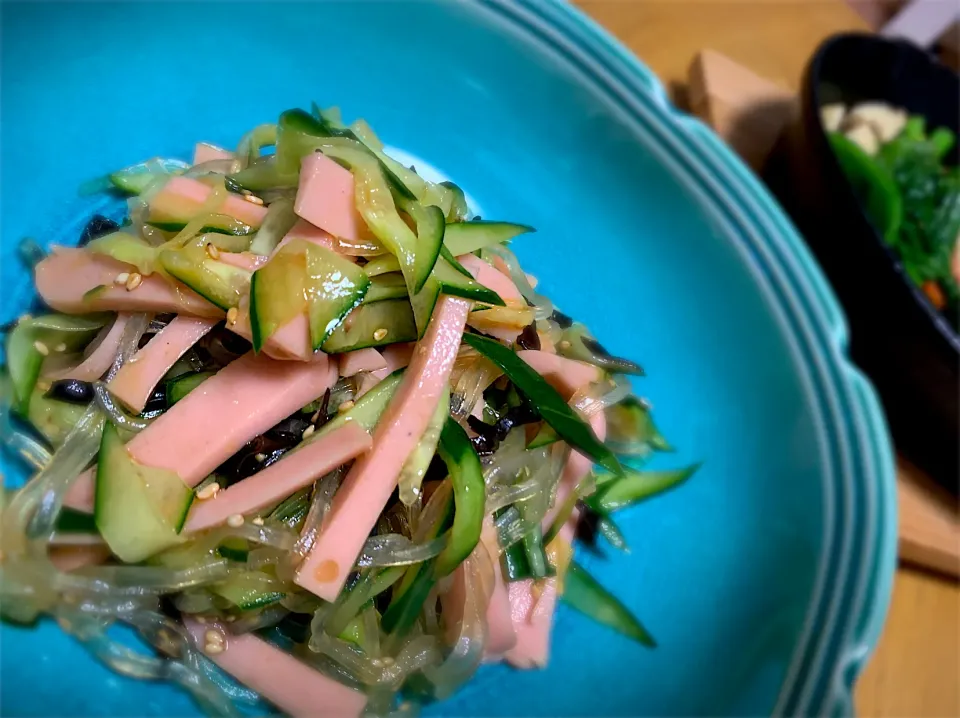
x=832, y=102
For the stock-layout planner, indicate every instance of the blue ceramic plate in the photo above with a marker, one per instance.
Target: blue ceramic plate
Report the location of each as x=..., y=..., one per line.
x=766, y=578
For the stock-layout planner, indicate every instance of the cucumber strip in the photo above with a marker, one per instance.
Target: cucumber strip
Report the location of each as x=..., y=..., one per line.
x=334, y=287
x=466, y=475
x=430, y=227
x=215, y=223
x=250, y=590
x=24, y=358
x=416, y=465
x=382, y=265
x=454, y=262
x=279, y=219
x=139, y=510
x=127, y=249
x=263, y=175
x=386, y=286
x=277, y=295
x=467, y=237
x=234, y=548
x=458, y=205
x=176, y=389
x=220, y=284
x=362, y=327
x=136, y=178
x=368, y=410
x=53, y=418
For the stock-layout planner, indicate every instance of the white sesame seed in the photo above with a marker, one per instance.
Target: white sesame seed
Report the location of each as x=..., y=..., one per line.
x=134, y=281
x=564, y=344
x=61, y=347
x=230, y=619
x=315, y=417
x=41, y=347
x=260, y=457
x=232, y=314
x=308, y=431
x=245, y=192
x=345, y=407
x=257, y=521
x=121, y=278
x=253, y=199
x=202, y=620
x=212, y=251
x=235, y=521
x=213, y=636
x=380, y=334
x=212, y=649
x=208, y=491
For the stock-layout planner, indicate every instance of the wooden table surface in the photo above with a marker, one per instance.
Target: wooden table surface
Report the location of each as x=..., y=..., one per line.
x=916, y=670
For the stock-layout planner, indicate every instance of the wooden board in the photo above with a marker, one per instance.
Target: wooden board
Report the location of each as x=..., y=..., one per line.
x=749, y=112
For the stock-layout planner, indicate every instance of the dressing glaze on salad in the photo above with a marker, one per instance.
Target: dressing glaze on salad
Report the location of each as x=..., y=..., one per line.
x=300, y=420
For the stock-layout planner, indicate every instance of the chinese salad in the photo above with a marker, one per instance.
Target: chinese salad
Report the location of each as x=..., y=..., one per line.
x=304, y=424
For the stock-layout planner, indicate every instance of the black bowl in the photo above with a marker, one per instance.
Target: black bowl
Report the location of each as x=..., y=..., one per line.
x=909, y=349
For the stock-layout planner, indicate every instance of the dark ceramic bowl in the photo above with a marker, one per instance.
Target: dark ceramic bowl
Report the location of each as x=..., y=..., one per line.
x=909, y=349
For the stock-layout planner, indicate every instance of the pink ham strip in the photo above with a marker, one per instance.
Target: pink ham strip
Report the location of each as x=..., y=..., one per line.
x=491, y=278
x=214, y=421
x=136, y=379
x=397, y=356
x=293, y=472
x=564, y=375
x=368, y=485
x=289, y=684
x=67, y=275
x=306, y=231
x=101, y=358
x=355, y=362
x=185, y=192
x=501, y=635
x=206, y=152
x=532, y=615
x=325, y=197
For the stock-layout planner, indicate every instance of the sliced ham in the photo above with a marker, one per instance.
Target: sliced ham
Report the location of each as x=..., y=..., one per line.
x=136, y=379
x=289, y=684
x=325, y=197
x=355, y=362
x=367, y=487
x=296, y=470
x=68, y=277
x=206, y=152
x=182, y=197
x=291, y=341
x=70, y=558
x=397, y=356
x=532, y=605
x=214, y=421
x=492, y=278
x=102, y=352
x=308, y=232
x=244, y=260
x=501, y=635
x=564, y=375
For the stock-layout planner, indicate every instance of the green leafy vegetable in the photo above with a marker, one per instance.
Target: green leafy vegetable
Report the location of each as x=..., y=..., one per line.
x=582, y=593
x=551, y=406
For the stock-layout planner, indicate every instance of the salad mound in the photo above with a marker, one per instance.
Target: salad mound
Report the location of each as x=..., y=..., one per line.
x=302, y=420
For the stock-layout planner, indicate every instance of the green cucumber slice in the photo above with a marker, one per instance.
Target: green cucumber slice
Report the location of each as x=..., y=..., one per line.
x=367, y=411
x=458, y=207
x=248, y=591
x=430, y=228
x=359, y=329
x=127, y=249
x=382, y=265
x=139, y=510
x=53, y=418
x=216, y=224
x=386, y=286
x=334, y=286
x=447, y=280
x=176, y=389
x=136, y=178
x=234, y=548
x=24, y=358
x=219, y=283
x=467, y=237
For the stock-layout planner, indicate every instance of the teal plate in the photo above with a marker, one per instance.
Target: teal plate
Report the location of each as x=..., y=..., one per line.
x=766, y=578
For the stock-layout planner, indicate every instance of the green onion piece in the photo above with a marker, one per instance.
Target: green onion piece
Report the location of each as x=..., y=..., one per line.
x=551, y=406
x=634, y=486
x=513, y=562
x=466, y=475
x=582, y=593
x=536, y=557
